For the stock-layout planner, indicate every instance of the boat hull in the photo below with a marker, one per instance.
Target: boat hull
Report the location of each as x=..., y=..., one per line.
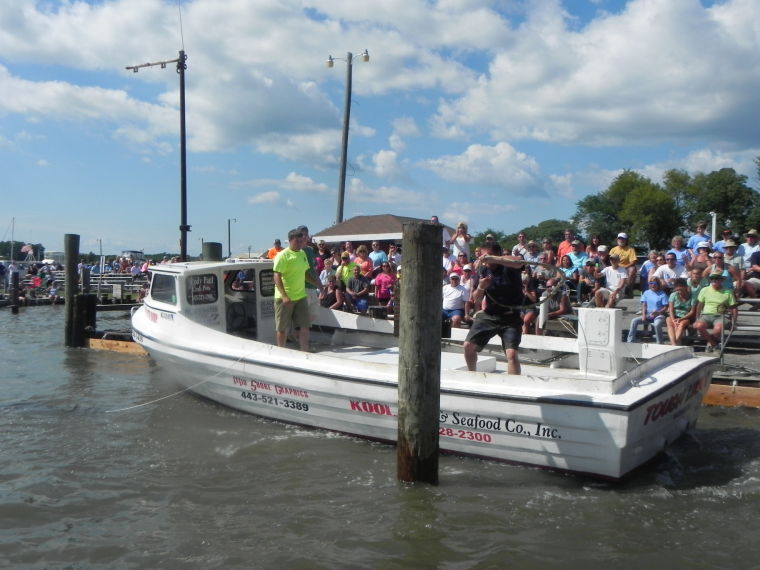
x=570, y=432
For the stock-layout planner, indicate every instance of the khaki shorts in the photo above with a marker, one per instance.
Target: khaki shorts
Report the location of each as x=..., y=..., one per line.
x=295, y=314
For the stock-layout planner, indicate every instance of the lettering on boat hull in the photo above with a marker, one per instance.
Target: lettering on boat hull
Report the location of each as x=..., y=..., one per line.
x=669, y=404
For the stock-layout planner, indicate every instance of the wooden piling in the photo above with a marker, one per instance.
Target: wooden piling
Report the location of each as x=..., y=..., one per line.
x=84, y=319
x=71, y=258
x=14, y=292
x=419, y=371
x=84, y=277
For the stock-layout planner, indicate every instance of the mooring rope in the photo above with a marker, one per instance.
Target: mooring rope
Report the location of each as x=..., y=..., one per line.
x=178, y=392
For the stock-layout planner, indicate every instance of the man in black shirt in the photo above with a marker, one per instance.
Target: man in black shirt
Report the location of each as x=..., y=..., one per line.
x=500, y=283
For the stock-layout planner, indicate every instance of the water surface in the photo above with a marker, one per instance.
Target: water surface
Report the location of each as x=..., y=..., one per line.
x=185, y=483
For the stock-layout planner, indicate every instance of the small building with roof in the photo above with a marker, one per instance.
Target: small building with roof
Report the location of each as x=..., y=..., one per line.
x=360, y=229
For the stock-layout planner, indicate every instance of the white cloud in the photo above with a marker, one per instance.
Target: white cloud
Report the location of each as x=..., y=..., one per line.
x=658, y=70
x=265, y=198
x=42, y=163
x=499, y=166
x=293, y=181
x=385, y=164
x=402, y=127
x=392, y=195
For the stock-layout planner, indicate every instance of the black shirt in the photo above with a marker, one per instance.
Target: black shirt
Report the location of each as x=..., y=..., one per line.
x=505, y=294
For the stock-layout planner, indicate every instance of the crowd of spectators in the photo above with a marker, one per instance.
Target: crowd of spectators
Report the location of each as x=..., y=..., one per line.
x=675, y=284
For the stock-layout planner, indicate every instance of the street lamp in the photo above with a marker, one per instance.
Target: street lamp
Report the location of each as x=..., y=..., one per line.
x=346, y=117
x=181, y=67
x=229, y=237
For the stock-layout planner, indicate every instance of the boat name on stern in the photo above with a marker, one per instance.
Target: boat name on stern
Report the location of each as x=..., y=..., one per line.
x=670, y=404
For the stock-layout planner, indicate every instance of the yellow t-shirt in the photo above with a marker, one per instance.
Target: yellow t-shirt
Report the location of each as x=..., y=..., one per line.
x=292, y=267
x=626, y=253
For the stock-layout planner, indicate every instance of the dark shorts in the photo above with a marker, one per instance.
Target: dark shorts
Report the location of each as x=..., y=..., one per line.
x=485, y=326
x=448, y=313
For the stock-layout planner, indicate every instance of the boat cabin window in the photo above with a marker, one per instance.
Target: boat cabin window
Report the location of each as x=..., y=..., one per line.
x=243, y=280
x=202, y=289
x=266, y=282
x=164, y=288
x=240, y=301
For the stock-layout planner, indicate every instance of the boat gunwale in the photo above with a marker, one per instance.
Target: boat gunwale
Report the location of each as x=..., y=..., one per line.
x=444, y=390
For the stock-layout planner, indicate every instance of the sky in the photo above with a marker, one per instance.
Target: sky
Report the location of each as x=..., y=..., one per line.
x=498, y=113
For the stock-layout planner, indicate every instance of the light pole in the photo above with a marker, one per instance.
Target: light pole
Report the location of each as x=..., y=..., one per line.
x=229, y=236
x=181, y=67
x=346, y=117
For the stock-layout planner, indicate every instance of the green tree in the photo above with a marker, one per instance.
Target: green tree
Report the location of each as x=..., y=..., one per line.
x=678, y=184
x=600, y=213
x=651, y=215
x=499, y=236
x=726, y=193
x=553, y=229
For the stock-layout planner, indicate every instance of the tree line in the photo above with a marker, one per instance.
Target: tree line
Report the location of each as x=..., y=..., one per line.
x=651, y=213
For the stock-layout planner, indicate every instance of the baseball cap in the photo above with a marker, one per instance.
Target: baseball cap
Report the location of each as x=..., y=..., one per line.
x=622, y=235
x=705, y=244
x=729, y=243
x=454, y=276
x=602, y=248
x=575, y=242
x=345, y=255
x=467, y=267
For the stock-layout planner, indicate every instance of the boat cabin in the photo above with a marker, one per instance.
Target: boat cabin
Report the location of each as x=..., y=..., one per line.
x=233, y=296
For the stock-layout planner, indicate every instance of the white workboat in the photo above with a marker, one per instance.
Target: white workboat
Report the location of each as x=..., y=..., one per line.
x=596, y=405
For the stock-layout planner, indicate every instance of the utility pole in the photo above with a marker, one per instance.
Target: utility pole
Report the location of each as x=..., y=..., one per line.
x=181, y=67
x=346, y=120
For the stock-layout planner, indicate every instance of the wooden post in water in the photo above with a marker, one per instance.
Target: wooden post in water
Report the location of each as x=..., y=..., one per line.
x=71, y=257
x=14, y=292
x=84, y=318
x=85, y=279
x=419, y=370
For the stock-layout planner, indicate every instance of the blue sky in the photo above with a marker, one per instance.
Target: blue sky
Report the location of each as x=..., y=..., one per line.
x=500, y=113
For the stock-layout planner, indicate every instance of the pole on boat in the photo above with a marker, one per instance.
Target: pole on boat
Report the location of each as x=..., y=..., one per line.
x=71, y=256
x=419, y=369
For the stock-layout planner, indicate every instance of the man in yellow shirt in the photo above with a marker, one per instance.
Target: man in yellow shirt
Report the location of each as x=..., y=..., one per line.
x=627, y=256
x=291, y=305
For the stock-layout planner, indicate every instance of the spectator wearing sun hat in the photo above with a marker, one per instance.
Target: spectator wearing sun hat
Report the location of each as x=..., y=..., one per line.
x=712, y=303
